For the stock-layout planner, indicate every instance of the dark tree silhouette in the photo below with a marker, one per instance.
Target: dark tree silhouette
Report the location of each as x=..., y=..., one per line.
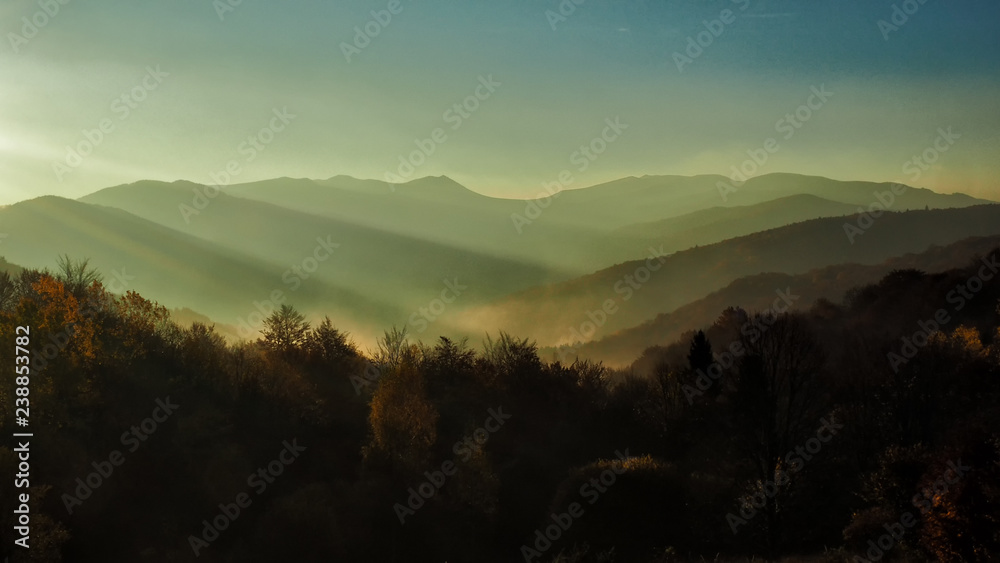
x=77, y=275
x=328, y=346
x=285, y=330
x=775, y=403
x=700, y=355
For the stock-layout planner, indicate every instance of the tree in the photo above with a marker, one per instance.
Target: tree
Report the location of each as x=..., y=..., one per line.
x=77, y=276
x=402, y=420
x=328, y=346
x=669, y=387
x=775, y=401
x=699, y=359
x=285, y=330
x=136, y=326
x=448, y=362
x=8, y=291
x=391, y=349
x=509, y=360
x=700, y=355
x=202, y=350
x=960, y=500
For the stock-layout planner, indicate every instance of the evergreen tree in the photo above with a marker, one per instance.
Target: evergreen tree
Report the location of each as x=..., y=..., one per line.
x=285, y=330
x=700, y=355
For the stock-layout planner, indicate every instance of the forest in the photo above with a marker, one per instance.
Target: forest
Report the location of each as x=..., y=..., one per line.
x=861, y=430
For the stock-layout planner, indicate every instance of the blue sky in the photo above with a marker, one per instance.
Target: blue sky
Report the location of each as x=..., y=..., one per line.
x=225, y=77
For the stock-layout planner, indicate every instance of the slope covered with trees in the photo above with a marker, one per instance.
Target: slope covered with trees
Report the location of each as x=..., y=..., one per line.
x=759, y=293
x=807, y=435
x=642, y=289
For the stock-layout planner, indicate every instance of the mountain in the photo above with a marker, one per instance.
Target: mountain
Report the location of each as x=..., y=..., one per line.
x=8, y=268
x=174, y=268
x=394, y=267
x=603, y=207
x=633, y=200
x=381, y=283
x=397, y=244
x=633, y=292
x=238, y=252
x=719, y=223
x=574, y=232
x=439, y=209
x=185, y=317
x=759, y=292
x=424, y=221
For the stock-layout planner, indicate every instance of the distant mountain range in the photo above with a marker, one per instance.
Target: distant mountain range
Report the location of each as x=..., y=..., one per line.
x=372, y=254
x=551, y=313
x=759, y=292
x=720, y=223
x=575, y=232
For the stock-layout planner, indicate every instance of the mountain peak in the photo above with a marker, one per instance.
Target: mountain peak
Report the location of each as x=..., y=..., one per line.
x=438, y=187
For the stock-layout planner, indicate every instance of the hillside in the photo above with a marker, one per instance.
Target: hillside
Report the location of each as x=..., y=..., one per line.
x=175, y=268
x=554, y=314
x=720, y=223
x=8, y=268
x=432, y=217
x=759, y=292
x=577, y=232
x=652, y=198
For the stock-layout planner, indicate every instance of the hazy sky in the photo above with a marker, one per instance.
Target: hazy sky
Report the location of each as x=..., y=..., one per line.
x=893, y=89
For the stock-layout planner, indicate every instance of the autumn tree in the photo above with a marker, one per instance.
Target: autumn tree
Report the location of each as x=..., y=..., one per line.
x=133, y=326
x=959, y=496
x=403, y=421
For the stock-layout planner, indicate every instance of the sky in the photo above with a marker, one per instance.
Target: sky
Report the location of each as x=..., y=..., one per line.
x=185, y=90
